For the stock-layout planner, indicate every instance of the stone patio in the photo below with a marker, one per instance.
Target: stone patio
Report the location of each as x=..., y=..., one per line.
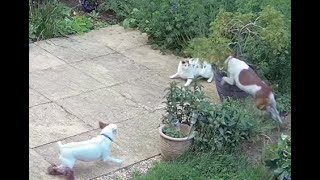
x=108, y=75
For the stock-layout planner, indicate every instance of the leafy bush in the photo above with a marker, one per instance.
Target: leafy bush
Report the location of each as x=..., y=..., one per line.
x=284, y=102
x=130, y=22
x=278, y=158
x=74, y=25
x=213, y=48
x=254, y=6
x=224, y=126
x=122, y=7
x=171, y=24
x=46, y=17
x=264, y=37
x=53, y=19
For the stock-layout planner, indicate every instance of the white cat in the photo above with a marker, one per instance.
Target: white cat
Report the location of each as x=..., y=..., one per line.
x=193, y=68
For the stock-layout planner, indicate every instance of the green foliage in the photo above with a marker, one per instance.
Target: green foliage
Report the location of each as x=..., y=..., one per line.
x=215, y=49
x=246, y=6
x=171, y=24
x=174, y=132
x=129, y=23
x=136, y=174
x=74, y=25
x=31, y=32
x=182, y=101
x=224, y=126
x=46, y=17
x=53, y=19
x=217, y=126
x=278, y=158
x=122, y=7
x=264, y=37
x=203, y=166
x=284, y=102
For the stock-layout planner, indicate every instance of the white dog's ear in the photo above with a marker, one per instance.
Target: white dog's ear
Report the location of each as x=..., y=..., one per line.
x=102, y=125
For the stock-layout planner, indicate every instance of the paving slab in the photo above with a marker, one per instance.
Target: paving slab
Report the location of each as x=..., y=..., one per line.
x=70, y=50
x=131, y=145
x=154, y=60
x=40, y=59
x=38, y=167
x=49, y=122
x=92, y=48
x=62, y=81
x=36, y=98
x=115, y=37
x=101, y=105
x=147, y=92
x=112, y=69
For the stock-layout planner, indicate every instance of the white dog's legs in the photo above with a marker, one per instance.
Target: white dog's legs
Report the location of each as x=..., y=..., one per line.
x=229, y=80
x=107, y=158
x=174, y=76
x=188, y=82
x=111, y=159
x=67, y=162
x=115, y=160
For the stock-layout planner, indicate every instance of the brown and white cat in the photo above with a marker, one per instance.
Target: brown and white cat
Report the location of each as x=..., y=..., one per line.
x=193, y=68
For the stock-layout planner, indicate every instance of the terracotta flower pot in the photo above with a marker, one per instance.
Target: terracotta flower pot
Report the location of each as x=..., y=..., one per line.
x=172, y=148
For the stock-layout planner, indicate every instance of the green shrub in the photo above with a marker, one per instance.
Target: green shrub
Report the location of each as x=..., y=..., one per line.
x=121, y=7
x=74, y=25
x=284, y=102
x=246, y=6
x=171, y=24
x=264, y=37
x=53, y=19
x=224, y=126
x=278, y=158
x=46, y=18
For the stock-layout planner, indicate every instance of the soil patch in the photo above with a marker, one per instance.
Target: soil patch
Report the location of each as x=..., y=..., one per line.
x=255, y=150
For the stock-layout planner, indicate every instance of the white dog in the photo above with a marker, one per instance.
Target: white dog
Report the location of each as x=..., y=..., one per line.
x=90, y=150
x=193, y=68
x=247, y=80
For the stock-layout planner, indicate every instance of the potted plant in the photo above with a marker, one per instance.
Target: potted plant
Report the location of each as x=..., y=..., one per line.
x=176, y=131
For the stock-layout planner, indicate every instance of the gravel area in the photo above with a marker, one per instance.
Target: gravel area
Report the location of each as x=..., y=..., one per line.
x=128, y=172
